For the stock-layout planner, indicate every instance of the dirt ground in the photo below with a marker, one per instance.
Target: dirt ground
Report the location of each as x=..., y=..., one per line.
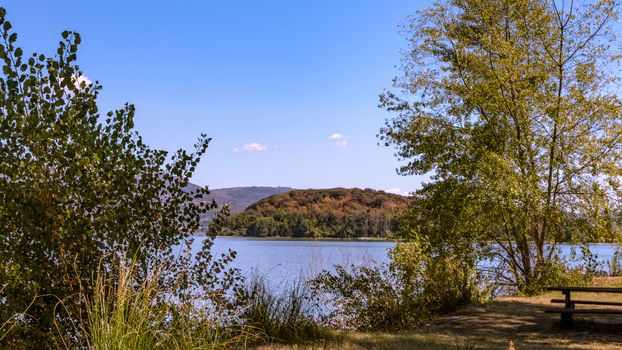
x=494, y=324
x=523, y=321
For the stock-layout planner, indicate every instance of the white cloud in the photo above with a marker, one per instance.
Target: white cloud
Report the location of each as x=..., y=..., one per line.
x=341, y=143
x=338, y=140
x=251, y=147
x=77, y=82
x=255, y=147
x=397, y=190
x=82, y=79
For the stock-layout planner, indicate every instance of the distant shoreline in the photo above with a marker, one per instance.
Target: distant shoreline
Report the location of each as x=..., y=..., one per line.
x=329, y=239
x=362, y=239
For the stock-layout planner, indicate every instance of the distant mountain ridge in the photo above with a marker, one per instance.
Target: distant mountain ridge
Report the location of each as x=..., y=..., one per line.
x=237, y=198
x=334, y=213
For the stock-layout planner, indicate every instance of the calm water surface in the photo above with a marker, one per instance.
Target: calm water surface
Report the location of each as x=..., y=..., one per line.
x=283, y=261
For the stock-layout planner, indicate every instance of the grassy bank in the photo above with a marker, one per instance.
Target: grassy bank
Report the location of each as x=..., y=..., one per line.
x=492, y=325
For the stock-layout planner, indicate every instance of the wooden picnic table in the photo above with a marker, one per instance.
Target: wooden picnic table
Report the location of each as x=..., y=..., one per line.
x=569, y=304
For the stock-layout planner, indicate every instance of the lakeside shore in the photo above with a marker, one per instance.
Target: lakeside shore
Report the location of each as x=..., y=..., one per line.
x=321, y=239
x=363, y=239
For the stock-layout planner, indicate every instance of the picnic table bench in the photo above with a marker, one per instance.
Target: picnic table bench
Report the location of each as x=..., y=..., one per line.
x=569, y=304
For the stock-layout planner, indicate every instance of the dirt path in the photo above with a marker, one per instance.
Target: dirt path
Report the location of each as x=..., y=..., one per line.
x=524, y=322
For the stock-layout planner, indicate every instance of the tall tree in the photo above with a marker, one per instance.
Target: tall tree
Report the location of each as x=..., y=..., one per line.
x=74, y=186
x=511, y=107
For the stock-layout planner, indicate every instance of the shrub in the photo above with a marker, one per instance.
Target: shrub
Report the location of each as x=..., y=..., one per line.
x=441, y=282
x=615, y=265
x=410, y=291
x=365, y=298
x=76, y=184
x=559, y=273
x=575, y=270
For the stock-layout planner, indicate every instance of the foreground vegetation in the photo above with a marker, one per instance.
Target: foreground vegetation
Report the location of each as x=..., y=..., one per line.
x=123, y=315
x=492, y=325
x=78, y=186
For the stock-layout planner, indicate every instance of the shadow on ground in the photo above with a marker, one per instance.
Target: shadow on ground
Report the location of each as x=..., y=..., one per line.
x=524, y=322
x=491, y=326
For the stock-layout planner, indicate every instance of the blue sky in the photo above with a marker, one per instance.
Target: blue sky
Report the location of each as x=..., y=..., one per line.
x=288, y=90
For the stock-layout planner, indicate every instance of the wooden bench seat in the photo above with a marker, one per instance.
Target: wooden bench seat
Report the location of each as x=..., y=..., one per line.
x=583, y=311
x=569, y=304
x=588, y=302
x=586, y=289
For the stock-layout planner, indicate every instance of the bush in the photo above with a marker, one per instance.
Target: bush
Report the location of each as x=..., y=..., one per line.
x=76, y=184
x=366, y=299
x=410, y=291
x=442, y=283
x=558, y=273
x=615, y=265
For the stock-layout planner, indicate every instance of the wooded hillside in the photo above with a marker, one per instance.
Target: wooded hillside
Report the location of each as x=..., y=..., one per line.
x=336, y=213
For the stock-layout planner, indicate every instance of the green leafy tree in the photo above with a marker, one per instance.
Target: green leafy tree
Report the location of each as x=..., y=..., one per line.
x=511, y=107
x=76, y=185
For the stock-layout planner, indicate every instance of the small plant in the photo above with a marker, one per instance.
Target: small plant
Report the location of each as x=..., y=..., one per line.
x=123, y=314
x=615, y=265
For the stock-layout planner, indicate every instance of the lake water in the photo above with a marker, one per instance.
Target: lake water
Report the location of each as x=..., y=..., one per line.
x=283, y=261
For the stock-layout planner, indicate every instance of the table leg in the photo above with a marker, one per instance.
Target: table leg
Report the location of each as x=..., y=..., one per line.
x=567, y=316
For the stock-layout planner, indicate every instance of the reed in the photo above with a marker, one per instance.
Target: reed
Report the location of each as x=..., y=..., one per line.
x=125, y=312
x=283, y=315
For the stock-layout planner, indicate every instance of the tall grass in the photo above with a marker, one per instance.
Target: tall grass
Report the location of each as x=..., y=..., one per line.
x=125, y=313
x=286, y=315
x=7, y=325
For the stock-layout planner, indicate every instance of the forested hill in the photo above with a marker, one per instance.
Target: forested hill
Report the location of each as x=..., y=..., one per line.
x=335, y=213
x=238, y=198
